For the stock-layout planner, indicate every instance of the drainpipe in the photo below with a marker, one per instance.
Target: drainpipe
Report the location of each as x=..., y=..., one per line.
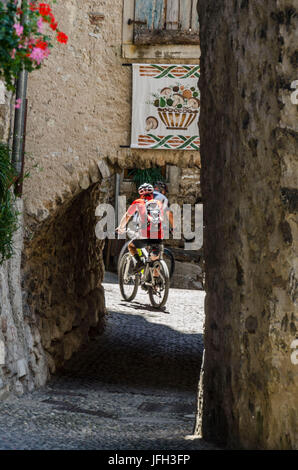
x=18, y=143
x=18, y=146
x=117, y=193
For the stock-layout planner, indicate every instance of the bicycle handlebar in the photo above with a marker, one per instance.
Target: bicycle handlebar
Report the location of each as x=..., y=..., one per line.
x=131, y=233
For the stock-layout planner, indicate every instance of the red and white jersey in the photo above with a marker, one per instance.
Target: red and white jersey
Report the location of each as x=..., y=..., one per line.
x=147, y=228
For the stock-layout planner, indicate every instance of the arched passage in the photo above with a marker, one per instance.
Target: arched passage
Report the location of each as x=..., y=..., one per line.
x=64, y=263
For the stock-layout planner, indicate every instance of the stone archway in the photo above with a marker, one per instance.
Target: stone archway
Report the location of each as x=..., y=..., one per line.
x=63, y=264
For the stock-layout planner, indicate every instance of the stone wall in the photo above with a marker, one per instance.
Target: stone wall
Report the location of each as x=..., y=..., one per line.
x=63, y=270
x=23, y=364
x=249, y=180
x=184, y=185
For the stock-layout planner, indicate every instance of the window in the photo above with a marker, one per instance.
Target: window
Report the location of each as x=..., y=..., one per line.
x=160, y=28
x=166, y=22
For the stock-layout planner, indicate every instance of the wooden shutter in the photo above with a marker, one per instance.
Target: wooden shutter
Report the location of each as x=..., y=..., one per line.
x=166, y=22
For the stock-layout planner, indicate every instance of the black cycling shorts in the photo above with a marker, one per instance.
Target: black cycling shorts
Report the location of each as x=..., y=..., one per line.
x=157, y=245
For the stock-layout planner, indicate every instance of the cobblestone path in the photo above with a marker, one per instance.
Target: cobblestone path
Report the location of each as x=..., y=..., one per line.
x=132, y=388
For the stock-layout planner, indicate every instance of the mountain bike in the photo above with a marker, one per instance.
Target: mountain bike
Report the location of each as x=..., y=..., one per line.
x=157, y=287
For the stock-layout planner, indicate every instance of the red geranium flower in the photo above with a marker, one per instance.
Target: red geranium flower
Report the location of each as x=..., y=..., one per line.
x=41, y=44
x=44, y=9
x=33, y=7
x=54, y=25
x=61, y=37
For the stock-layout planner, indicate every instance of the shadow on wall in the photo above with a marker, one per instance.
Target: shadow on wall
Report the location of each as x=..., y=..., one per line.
x=136, y=353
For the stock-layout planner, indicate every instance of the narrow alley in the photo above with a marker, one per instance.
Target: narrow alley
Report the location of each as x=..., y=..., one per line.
x=135, y=388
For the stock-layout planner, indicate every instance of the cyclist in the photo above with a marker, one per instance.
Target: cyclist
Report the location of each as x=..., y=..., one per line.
x=159, y=193
x=151, y=230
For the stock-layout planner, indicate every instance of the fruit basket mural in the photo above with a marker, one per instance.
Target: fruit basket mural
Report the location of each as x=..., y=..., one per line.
x=166, y=107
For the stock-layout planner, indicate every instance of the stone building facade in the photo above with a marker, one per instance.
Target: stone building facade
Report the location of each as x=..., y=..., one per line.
x=79, y=116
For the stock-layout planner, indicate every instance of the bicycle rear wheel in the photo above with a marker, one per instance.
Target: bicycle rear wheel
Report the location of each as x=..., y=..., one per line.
x=128, y=281
x=159, y=293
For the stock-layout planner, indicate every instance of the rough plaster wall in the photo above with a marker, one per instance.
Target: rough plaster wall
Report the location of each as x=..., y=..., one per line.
x=249, y=176
x=80, y=106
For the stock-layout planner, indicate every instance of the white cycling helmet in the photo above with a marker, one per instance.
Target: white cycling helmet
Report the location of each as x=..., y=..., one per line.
x=145, y=188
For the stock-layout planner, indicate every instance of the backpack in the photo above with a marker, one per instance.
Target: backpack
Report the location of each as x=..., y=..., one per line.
x=154, y=216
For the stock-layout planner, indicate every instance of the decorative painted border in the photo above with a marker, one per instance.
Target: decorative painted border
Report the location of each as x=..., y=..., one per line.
x=172, y=71
x=169, y=142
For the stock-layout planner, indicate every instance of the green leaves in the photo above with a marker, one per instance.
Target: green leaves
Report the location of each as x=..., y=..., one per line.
x=8, y=225
x=149, y=175
x=8, y=41
x=7, y=171
x=8, y=213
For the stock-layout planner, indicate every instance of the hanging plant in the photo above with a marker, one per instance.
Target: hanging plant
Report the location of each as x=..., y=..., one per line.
x=8, y=212
x=149, y=175
x=23, y=44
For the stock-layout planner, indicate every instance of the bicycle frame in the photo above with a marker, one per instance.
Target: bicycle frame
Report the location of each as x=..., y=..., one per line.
x=153, y=277
x=144, y=273
x=150, y=267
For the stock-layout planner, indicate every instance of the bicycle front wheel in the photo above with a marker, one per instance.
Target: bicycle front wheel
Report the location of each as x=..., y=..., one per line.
x=159, y=293
x=170, y=261
x=128, y=281
x=124, y=250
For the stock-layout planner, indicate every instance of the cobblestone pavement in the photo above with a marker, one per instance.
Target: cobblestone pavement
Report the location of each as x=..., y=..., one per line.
x=132, y=388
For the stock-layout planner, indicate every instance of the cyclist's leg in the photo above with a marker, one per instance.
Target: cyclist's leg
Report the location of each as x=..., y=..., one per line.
x=157, y=249
x=132, y=247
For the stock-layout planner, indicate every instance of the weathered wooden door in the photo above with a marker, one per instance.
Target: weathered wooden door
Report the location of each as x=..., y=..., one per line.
x=166, y=22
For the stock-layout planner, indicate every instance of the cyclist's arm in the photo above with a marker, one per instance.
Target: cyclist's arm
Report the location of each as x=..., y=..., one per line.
x=123, y=222
x=127, y=216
